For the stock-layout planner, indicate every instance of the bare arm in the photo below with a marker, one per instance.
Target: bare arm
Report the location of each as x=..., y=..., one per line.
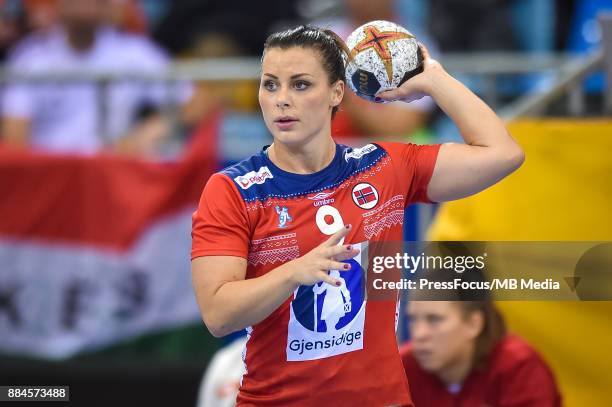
x=489, y=153
x=229, y=303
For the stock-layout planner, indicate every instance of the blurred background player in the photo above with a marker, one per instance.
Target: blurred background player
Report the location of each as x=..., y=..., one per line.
x=69, y=117
x=460, y=353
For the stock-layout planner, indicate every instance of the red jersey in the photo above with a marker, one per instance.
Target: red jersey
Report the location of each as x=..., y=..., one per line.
x=514, y=375
x=324, y=345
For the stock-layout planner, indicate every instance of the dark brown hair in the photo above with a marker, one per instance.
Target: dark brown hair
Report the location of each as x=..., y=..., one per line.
x=332, y=49
x=493, y=330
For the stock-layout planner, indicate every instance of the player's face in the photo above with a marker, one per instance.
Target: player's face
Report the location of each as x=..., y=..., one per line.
x=363, y=11
x=441, y=334
x=83, y=14
x=295, y=95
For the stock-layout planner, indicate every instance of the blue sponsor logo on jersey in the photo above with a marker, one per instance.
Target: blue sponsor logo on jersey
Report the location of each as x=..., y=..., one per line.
x=325, y=308
x=326, y=320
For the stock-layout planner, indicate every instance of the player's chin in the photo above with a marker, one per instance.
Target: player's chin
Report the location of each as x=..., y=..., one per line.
x=428, y=362
x=292, y=136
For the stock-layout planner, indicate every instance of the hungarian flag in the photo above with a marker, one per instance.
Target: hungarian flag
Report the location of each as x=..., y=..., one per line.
x=95, y=250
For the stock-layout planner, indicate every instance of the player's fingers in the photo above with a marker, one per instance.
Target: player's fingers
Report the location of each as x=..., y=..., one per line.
x=390, y=95
x=329, y=280
x=333, y=251
x=413, y=96
x=346, y=255
x=424, y=51
x=343, y=252
x=336, y=265
x=337, y=237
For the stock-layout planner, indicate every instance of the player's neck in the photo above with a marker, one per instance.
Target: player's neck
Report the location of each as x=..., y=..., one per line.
x=81, y=39
x=456, y=372
x=308, y=159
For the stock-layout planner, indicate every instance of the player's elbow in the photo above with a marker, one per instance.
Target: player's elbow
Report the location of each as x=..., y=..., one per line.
x=507, y=158
x=217, y=331
x=210, y=314
x=215, y=325
x=219, y=320
x=514, y=158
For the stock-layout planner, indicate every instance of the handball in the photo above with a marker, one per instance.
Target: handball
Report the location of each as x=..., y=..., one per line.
x=383, y=55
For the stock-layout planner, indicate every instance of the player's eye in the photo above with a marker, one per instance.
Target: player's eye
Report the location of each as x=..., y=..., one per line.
x=269, y=85
x=434, y=319
x=301, y=85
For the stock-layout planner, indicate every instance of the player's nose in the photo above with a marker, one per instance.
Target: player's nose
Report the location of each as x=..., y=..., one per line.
x=419, y=331
x=283, y=99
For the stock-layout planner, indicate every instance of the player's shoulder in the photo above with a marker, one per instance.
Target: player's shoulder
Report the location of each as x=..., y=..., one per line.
x=512, y=351
x=246, y=174
x=257, y=178
x=515, y=344
x=358, y=159
x=249, y=164
x=31, y=52
x=237, y=177
x=393, y=147
x=134, y=49
x=368, y=152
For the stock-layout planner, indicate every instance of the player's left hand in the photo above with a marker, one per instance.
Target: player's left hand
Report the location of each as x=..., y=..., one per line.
x=419, y=85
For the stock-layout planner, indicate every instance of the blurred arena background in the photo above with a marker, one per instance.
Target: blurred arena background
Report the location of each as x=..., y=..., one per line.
x=115, y=112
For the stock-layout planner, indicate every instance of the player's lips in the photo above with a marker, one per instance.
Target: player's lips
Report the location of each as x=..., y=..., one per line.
x=285, y=122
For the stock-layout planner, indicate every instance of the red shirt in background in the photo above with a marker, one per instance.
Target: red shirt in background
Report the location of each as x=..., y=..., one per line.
x=513, y=376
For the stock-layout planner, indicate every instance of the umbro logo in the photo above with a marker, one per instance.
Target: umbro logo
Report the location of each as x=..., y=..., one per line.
x=322, y=198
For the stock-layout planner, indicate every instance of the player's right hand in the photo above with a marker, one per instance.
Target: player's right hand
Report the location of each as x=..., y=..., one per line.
x=417, y=86
x=314, y=266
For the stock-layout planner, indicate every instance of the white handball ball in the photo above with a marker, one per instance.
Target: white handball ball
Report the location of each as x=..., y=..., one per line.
x=383, y=56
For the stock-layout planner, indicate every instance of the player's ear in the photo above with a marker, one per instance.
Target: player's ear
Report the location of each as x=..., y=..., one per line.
x=337, y=93
x=476, y=322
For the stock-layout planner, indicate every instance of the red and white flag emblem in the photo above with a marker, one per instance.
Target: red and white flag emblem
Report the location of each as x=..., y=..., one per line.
x=365, y=195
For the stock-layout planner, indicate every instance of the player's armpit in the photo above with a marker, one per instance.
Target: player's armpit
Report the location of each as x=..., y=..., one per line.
x=462, y=170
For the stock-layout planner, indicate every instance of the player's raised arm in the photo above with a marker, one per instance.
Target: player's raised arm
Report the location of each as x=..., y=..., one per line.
x=229, y=303
x=489, y=153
